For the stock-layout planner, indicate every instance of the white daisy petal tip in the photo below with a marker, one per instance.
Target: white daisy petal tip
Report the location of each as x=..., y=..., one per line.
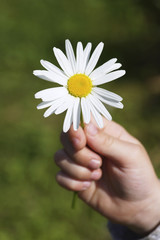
x=35, y=72
x=123, y=72
x=101, y=44
x=121, y=106
x=118, y=65
x=75, y=129
x=67, y=41
x=38, y=107
x=54, y=49
x=45, y=115
x=64, y=130
x=36, y=95
x=42, y=62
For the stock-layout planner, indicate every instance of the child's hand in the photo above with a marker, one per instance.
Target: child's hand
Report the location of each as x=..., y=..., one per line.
x=112, y=173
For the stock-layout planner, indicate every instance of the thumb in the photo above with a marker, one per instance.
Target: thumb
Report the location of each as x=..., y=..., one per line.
x=73, y=140
x=108, y=146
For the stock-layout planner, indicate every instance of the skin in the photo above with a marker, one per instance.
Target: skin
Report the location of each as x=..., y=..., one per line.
x=112, y=172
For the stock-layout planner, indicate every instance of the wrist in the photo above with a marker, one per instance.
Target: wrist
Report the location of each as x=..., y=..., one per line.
x=123, y=233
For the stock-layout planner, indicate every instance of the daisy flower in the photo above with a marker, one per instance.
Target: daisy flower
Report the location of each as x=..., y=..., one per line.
x=79, y=90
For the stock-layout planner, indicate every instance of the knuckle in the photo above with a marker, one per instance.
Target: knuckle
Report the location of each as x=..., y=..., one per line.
x=57, y=161
x=138, y=151
x=78, y=156
x=76, y=186
x=68, y=183
x=108, y=141
x=83, y=174
x=63, y=181
x=58, y=155
x=58, y=177
x=73, y=185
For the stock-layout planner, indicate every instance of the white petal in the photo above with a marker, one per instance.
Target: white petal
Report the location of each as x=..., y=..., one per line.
x=50, y=76
x=51, y=93
x=110, y=102
x=62, y=108
x=54, y=106
x=100, y=107
x=43, y=74
x=65, y=105
x=94, y=58
x=68, y=119
x=113, y=67
x=50, y=67
x=96, y=115
x=88, y=107
x=80, y=55
x=109, y=77
x=63, y=62
x=107, y=94
x=44, y=104
x=87, y=51
x=76, y=114
x=88, y=48
x=85, y=110
x=101, y=71
x=70, y=55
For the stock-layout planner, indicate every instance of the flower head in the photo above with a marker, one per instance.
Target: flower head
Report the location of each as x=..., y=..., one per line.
x=79, y=80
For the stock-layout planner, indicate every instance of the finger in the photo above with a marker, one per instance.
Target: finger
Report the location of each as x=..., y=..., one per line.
x=71, y=184
x=116, y=130
x=74, y=170
x=109, y=146
x=73, y=140
x=74, y=143
x=87, y=158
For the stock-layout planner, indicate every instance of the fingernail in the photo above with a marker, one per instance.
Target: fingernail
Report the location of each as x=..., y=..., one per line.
x=94, y=164
x=86, y=185
x=92, y=129
x=96, y=174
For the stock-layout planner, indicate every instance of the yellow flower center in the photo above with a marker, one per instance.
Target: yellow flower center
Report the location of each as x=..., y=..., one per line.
x=79, y=85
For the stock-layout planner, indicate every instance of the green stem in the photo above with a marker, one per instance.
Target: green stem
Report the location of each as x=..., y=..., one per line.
x=82, y=122
x=75, y=193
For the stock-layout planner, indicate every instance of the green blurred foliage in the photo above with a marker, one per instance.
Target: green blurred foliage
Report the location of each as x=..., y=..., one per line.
x=32, y=205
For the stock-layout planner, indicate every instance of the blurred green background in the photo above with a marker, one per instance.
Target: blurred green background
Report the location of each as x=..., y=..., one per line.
x=32, y=205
